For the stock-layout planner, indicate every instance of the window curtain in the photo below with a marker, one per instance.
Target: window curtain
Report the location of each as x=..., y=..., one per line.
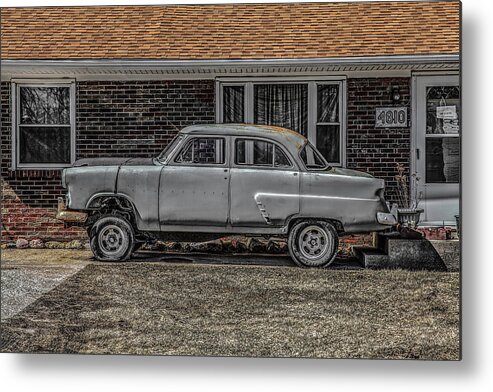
x=233, y=104
x=284, y=105
x=328, y=103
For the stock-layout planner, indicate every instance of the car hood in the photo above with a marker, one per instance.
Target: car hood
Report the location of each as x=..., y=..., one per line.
x=113, y=162
x=348, y=172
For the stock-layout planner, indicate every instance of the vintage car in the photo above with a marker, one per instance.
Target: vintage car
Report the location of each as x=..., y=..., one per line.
x=218, y=180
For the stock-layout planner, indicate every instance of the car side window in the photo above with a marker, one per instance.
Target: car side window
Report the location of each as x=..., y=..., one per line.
x=202, y=150
x=260, y=153
x=280, y=159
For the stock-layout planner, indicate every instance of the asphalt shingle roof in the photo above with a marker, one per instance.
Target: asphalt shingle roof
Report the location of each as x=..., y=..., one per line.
x=231, y=31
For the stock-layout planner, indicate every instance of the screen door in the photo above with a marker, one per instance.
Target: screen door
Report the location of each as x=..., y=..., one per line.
x=437, y=129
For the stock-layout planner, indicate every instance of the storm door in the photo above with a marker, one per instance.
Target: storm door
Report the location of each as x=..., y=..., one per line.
x=437, y=129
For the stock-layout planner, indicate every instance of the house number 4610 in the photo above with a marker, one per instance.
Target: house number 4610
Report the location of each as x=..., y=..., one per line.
x=392, y=117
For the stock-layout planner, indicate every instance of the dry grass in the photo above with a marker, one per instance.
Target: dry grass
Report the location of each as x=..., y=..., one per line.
x=63, y=258
x=179, y=309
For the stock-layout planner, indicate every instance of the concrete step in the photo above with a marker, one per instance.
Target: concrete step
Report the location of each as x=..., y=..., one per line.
x=371, y=257
x=395, y=252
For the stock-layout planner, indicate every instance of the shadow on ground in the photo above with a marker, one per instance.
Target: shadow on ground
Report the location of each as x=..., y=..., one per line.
x=235, y=259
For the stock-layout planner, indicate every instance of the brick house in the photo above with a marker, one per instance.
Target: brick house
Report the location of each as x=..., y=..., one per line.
x=371, y=84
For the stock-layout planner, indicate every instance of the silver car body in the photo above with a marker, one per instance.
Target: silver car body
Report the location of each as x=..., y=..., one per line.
x=168, y=196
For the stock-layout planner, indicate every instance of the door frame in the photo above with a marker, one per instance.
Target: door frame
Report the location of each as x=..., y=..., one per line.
x=415, y=76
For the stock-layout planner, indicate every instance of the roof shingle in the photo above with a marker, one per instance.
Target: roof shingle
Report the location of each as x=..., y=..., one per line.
x=231, y=31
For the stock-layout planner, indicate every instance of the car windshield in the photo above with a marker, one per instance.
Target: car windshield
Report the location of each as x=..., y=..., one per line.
x=312, y=159
x=169, y=148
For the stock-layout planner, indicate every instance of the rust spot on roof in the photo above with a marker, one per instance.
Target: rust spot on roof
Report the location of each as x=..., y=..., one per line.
x=275, y=128
x=282, y=131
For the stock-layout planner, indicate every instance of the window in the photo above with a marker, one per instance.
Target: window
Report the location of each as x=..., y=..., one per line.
x=283, y=105
x=44, y=125
x=260, y=153
x=169, y=148
x=442, y=134
x=328, y=125
x=203, y=151
x=311, y=108
x=234, y=102
x=311, y=158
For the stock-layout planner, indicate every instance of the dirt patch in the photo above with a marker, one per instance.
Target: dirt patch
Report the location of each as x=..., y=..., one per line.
x=187, y=309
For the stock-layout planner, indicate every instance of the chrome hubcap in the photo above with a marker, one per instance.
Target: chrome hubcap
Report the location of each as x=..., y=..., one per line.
x=314, y=243
x=111, y=239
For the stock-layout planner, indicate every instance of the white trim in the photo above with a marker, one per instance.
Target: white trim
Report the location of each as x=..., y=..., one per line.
x=15, y=85
x=218, y=103
x=414, y=107
x=42, y=82
x=394, y=59
x=436, y=73
x=279, y=79
x=343, y=120
x=13, y=128
x=114, y=69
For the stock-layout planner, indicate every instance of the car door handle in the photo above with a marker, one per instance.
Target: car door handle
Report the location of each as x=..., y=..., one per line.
x=417, y=153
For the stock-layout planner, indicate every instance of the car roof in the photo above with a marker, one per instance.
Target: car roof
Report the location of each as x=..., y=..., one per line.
x=291, y=140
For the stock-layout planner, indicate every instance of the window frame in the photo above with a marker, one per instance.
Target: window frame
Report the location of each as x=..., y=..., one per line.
x=312, y=83
x=254, y=166
x=186, y=142
x=15, y=136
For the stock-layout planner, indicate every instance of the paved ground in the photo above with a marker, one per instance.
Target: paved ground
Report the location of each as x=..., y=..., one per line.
x=27, y=274
x=197, y=306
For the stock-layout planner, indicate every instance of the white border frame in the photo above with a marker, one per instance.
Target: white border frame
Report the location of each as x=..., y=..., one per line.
x=312, y=83
x=15, y=85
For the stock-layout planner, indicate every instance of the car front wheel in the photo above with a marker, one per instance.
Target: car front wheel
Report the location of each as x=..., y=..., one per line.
x=112, y=238
x=313, y=243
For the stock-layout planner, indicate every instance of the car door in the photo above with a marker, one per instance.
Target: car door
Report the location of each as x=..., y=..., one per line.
x=194, y=185
x=264, y=184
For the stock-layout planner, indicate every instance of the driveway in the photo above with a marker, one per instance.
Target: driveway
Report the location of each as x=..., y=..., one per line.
x=178, y=307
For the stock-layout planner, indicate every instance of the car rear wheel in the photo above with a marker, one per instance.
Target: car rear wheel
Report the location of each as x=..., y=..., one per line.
x=112, y=238
x=313, y=243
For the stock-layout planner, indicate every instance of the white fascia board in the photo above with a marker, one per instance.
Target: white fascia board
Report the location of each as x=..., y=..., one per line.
x=407, y=59
x=193, y=69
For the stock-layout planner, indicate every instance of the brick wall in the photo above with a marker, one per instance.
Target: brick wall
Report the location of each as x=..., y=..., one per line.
x=138, y=118
x=370, y=149
x=124, y=119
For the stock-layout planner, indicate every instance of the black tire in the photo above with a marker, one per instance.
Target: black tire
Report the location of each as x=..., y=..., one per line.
x=313, y=243
x=112, y=238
